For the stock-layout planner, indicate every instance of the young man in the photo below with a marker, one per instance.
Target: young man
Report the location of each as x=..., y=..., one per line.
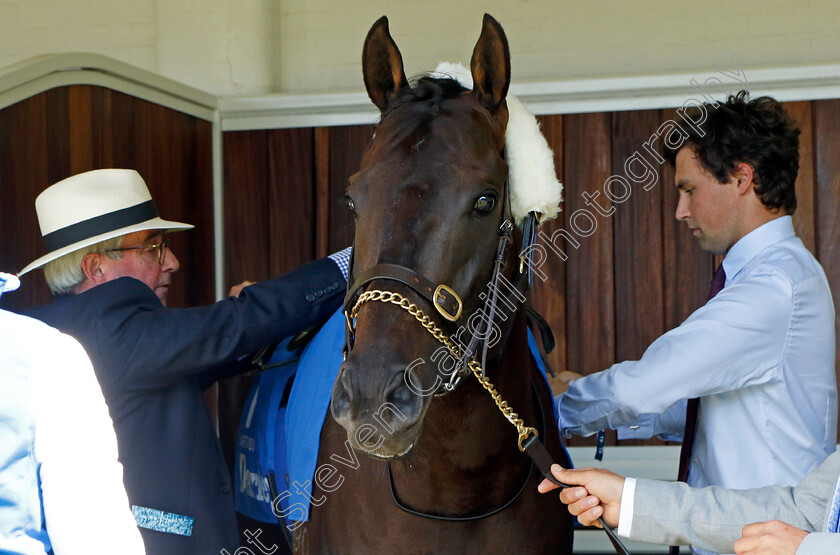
x=759, y=354
x=110, y=267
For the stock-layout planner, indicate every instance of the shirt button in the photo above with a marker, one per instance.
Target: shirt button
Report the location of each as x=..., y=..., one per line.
x=224, y=488
x=310, y=297
x=634, y=427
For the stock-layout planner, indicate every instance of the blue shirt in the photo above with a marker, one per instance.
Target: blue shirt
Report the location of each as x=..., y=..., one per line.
x=760, y=355
x=61, y=486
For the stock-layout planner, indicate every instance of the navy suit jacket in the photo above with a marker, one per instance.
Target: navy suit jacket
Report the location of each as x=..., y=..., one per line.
x=151, y=363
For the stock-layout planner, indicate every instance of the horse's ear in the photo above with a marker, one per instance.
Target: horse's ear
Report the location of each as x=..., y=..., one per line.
x=490, y=64
x=382, y=65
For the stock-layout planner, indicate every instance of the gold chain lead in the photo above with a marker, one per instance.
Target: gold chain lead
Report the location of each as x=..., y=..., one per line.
x=475, y=367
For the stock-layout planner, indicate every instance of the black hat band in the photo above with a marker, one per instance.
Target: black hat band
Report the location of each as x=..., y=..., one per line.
x=86, y=229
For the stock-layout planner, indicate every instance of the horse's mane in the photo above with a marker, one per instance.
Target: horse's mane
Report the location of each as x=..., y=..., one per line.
x=429, y=90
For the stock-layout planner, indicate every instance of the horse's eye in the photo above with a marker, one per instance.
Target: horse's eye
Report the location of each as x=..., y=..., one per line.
x=351, y=206
x=484, y=204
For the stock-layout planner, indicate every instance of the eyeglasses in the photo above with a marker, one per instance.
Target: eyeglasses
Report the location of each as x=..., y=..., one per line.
x=148, y=249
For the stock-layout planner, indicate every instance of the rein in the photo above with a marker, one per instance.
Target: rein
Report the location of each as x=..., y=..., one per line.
x=448, y=304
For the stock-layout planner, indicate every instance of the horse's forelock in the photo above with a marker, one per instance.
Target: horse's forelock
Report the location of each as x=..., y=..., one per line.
x=429, y=90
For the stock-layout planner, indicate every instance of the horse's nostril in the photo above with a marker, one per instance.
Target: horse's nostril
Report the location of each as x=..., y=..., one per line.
x=340, y=404
x=401, y=396
x=407, y=405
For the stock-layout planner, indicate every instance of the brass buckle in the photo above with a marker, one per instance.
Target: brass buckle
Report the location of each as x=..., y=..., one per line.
x=443, y=312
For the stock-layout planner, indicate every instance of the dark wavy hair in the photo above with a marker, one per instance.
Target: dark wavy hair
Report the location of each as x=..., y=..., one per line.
x=757, y=132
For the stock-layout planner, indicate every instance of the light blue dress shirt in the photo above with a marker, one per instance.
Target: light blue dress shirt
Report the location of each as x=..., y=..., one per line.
x=61, y=488
x=760, y=355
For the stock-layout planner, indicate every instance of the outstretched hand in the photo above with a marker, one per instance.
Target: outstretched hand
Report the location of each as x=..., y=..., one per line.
x=598, y=493
x=560, y=382
x=769, y=538
x=237, y=289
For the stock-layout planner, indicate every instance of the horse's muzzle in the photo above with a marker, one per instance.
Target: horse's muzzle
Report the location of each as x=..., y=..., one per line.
x=382, y=417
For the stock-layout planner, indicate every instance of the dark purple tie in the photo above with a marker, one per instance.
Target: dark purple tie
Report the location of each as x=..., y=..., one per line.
x=694, y=404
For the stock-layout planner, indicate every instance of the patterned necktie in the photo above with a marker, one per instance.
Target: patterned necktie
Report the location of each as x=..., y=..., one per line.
x=694, y=404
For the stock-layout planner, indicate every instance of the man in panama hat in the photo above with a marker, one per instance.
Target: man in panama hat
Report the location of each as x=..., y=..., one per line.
x=109, y=266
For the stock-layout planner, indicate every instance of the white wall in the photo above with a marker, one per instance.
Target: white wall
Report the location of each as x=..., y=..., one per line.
x=247, y=47
x=557, y=39
x=220, y=46
x=124, y=29
x=223, y=47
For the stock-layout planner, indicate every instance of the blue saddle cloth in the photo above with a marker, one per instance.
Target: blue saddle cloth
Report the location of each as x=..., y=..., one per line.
x=277, y=450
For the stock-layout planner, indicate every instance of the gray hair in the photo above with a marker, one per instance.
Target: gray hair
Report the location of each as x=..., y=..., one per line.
x=64, y=275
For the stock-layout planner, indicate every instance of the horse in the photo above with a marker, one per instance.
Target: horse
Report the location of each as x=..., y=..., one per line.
x=441, y=471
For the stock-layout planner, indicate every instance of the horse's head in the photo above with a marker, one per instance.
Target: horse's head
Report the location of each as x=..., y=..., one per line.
x=429, y=196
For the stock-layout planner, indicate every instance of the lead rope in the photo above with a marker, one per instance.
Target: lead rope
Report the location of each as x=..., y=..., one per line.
x=527, y=441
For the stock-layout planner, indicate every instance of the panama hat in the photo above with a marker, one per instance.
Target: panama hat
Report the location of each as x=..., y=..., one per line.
x=94, y=206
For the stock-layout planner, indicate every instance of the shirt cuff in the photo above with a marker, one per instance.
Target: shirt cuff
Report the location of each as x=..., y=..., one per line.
x=342, y=260
x=625, y=515
x=642, y=429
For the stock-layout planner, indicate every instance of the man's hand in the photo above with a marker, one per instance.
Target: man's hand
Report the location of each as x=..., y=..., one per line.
x=237, y=289
x=560, y=382
x=769, y=538
x=600, y=494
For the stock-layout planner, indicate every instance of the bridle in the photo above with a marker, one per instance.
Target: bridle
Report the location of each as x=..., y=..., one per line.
x=444, y=299
x=446, y=302
x=449, y=305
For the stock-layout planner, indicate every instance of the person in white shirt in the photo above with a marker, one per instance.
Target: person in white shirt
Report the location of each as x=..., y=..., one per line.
x=61, y=486
x=760, y=354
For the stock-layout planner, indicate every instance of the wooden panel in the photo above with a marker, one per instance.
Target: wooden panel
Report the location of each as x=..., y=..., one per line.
x=24, y=173
x=59, y=135
x=291, y=214
x=101, y=135
x=322, y=191
x=803, y=219
x=346, y=147
x=549, y=296
x=81, y=129
x=270, y=203
x=246, y=210
x=590, y=287
x=639, y=279
x=826, y=117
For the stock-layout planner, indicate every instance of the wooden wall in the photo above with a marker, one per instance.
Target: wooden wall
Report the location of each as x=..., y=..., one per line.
x=638, y=275
x=285, y=197
x=72, y=129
